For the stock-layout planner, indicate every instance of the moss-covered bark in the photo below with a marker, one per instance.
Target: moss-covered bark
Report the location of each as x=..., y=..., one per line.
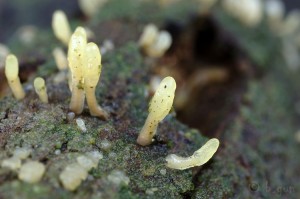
x=258, y=156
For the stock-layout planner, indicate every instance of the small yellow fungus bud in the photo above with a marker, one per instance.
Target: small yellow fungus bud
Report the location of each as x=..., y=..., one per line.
x=22, y=153
x=32, y=172
x=60, y=58
x=76, y=54
x=92, y=72
x=41, y=89
x=11, y=73
x=61, y=26
x=160, y=46
x=149, y=36
x=72, y=176
x=199, y=157
x=12, y=163
x=80, y=123
x=159, y=108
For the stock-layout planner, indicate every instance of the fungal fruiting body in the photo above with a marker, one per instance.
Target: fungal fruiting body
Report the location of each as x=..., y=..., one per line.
x=61, y=26
x=92, y=72
x=12, y=75
x=76, y=54
x=159, y=108
x=149, y=35
x=12, y=163
x=154, y=42
x=199, y=157
x=41, y=89
x=161, y=44
x=72, y=176
x=60, y=58
x=248, y=12
x=31, y=172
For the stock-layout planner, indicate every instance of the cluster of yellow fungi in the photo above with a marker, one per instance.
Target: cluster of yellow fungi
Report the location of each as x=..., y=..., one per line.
x=84, y=62
x=85, y=66
x=153, y=42
x=31, y=171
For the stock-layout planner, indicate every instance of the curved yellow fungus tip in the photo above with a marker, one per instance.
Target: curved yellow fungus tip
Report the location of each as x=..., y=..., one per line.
x=76, y=54
x=61, y=26
x=159, y=108
x=92, y=72
x=41, y=89
x=200, y=157
x=11, y=73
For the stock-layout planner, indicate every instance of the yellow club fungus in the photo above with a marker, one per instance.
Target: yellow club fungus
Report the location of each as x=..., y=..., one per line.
x=72, y=176
x=199, y=157
x=92, y=72
x=76, y=54
x=159, y=108
x=60, y=58
x=61, y=26
x=41, y=89
x=149, y=36
x=160, y=46
x=12, y=75
x=32, y=172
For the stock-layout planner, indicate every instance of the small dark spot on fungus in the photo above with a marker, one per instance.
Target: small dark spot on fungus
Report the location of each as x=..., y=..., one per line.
x=165, y=86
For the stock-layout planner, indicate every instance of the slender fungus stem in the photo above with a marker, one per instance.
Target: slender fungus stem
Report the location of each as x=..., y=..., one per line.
x=11, y=73
x=91, y=77
x=159, y=108
x=76, y=53
x=60, y=58
x=40, y=89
